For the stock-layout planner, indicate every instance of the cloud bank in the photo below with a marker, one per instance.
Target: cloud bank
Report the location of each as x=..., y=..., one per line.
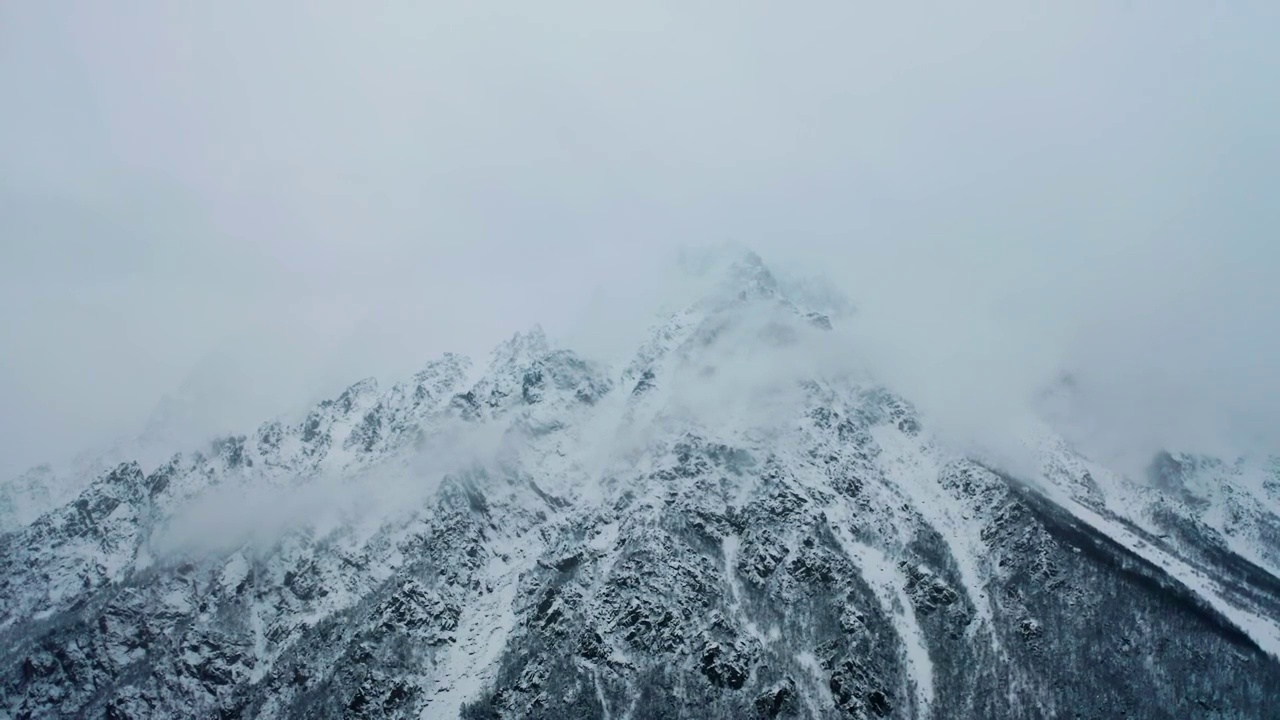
x=245, y=207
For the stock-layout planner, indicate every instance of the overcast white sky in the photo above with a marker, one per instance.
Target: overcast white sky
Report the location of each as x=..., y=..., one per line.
x=287, y=196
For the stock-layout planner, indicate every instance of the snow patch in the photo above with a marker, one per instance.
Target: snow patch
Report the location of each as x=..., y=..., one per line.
x=890, y=587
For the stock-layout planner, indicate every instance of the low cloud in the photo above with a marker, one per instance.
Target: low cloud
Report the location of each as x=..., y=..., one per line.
x=309, y=194
x=250, y=510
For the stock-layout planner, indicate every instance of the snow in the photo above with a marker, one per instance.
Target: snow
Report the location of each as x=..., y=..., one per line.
x=259, y=615
x=1262, y=630
x=234, y=572
x=731, y=545
x=818, y=694
x=471, y=661
x=606, y=537
x=1127, y=499
x=914, y=469
x=890, y=588
x=177, y=601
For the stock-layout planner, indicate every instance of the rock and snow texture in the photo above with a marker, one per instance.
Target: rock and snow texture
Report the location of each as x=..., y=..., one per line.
x=700, y=534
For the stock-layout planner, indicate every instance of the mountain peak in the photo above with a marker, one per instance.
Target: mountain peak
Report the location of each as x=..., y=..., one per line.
x=521, y=348
x=748, y=271
x=728, y=274
x=720, y=532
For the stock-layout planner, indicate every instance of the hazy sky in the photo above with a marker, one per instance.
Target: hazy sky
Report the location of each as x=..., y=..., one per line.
x=278, y=198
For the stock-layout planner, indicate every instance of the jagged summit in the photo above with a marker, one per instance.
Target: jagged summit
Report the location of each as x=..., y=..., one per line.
x=746, y=276
x=710, y=530
x=730, y=276
x=518, y=351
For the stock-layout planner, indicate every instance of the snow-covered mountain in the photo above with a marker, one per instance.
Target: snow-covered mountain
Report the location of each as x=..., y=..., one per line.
x=729, y=525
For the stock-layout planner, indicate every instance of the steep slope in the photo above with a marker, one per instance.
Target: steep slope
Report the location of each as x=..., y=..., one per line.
x=722, y=528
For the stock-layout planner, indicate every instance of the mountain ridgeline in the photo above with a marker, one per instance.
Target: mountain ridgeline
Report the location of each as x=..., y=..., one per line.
x=713, y=530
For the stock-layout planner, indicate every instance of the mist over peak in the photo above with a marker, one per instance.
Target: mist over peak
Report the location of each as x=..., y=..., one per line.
x=1004, y=196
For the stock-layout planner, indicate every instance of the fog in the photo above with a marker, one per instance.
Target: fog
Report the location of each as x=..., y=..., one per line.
x=244, y=207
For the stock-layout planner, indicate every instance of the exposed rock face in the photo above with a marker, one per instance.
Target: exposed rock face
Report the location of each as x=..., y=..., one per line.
x=685, y=538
